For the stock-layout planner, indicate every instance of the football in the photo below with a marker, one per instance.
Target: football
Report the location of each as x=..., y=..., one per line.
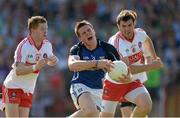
x=119, y=69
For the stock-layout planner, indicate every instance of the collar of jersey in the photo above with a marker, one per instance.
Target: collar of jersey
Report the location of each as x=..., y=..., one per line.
x=98, y=44
x=31, y=41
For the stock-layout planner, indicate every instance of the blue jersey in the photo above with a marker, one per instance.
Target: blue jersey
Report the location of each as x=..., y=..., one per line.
x=93, y=78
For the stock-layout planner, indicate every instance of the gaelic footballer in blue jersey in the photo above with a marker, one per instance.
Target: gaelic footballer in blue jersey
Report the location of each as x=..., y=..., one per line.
x=89, y=60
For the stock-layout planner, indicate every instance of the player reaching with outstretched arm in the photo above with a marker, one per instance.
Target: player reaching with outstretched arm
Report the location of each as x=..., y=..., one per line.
x=89, y=60
x=131, y=45
x=31, y=55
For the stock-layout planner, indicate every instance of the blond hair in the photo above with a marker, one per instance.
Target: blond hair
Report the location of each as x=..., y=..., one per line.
x=34, y=21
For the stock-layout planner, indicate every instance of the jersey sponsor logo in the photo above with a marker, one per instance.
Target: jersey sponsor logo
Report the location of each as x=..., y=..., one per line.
x=85, y=58
x=128, y=52
x=13, y=95
x=139, y=44
x=75, y=94
x=134, y=48
x=80, y=90
x=136, y=57
x=105, y=92
x=102, y=57
x=38, y=57
x=93, y=58
x=30, y=56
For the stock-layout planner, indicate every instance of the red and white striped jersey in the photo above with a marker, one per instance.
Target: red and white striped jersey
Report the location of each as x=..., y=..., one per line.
x=27, y=53
x=133, y=49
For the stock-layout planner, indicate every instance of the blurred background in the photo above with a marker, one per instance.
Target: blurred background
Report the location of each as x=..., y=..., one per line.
x=159, y=18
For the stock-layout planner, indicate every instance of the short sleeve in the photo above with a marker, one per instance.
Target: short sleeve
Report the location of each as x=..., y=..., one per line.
x=20, y=53
x=74, y=50
x=111, y=52
x=111, y=40
x=142, y=33
x=50, y=50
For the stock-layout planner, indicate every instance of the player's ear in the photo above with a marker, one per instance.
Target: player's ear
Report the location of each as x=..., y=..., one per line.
x=94, y=31
x=118, y=26
x=135, y=23
x=80, y=38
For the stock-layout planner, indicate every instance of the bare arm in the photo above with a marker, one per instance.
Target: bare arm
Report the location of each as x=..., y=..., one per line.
x=75, y=64
x=151, y=65
x=157, y=64
x=148, y=45
x=23, y=69
x=154, y=62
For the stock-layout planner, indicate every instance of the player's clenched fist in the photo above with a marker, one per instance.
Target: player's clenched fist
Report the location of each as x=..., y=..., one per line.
x=41, y=63
x=52, y=60
x=105, y=64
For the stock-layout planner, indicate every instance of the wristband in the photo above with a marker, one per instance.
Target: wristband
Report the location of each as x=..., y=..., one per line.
x=34, y=67
x=96, y=65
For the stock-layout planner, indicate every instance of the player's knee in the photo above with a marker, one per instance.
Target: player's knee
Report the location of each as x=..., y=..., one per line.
x=146, y=109
x=146, y=106
x=91, y=112
x=144, y=103
x=104, y=114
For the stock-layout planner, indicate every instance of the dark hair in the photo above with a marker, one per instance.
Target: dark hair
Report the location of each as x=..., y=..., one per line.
x=81, y=24
x=34, y=21
x=125, y=15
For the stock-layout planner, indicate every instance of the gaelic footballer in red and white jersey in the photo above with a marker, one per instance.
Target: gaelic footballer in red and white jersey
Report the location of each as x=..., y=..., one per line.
x=133, y=49
x=28, y=53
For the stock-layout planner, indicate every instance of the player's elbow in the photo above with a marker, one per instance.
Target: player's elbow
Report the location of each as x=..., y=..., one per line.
x=162, y=65
x=133, y=71
x=20, y=71
x=72, y=67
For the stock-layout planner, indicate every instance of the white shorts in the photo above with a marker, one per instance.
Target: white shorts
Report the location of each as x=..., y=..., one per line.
x=78, y=89
x=2, y=105
x=110, y=106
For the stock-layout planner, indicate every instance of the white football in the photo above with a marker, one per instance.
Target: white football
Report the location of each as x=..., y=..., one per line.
x=119, y=69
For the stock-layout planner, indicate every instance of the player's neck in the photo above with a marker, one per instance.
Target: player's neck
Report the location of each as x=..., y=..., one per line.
x=129, y=37
x=36, y=40
x=92, y=46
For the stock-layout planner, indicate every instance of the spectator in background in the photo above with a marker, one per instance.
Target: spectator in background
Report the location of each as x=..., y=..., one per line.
x=31, y=55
